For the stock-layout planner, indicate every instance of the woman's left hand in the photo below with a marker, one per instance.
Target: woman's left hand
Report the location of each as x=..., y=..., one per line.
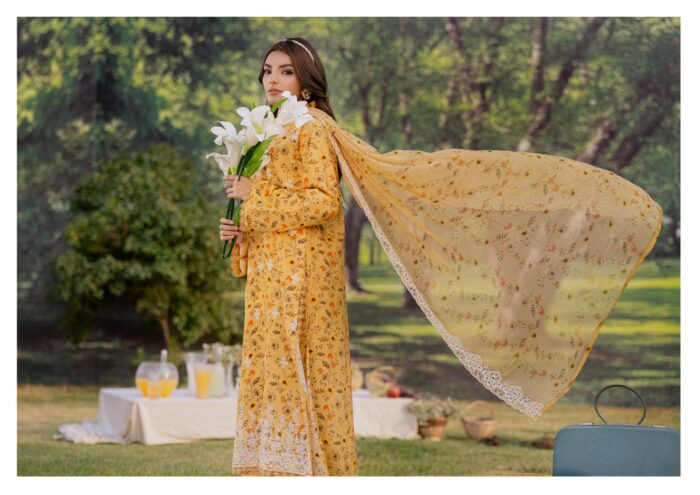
x=240, y=188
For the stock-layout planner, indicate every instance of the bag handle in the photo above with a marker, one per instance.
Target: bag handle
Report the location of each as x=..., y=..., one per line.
x=622, y=386
x=477, y=403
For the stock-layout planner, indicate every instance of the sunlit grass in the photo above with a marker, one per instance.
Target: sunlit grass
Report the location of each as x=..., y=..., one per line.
x=639, y=346
x=41, y=409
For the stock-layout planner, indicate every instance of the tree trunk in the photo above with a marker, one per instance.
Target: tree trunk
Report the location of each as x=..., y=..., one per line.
x=544, y=108
x=407, y=61
x=446, y=134
x=475, y=77
x=539, y=43
x=604, y=134
x=354, y=220
x=372, y=254
x=408, y=301
x=633, y=143
x=164, y=321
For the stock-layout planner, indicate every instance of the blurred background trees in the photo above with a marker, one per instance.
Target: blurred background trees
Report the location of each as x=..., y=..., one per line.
x=112, y=105
x=141, y=229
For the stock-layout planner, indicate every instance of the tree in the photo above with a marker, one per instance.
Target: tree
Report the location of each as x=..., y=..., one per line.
x=377, y=73
x=141, y=227
x=90, y=89
x=542, y=105
x=370, y=66
x=646, y=102
x=476, y=71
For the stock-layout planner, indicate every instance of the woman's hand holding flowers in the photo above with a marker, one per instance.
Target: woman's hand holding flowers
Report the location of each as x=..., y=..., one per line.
x=247, y=152
x=237, y=187
x=228, y=231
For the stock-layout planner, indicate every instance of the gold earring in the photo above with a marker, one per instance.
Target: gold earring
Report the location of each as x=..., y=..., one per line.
x=306, y=94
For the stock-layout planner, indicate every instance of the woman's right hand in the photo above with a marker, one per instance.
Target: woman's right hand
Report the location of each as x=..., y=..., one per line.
x=228, y=231
x=237, y=187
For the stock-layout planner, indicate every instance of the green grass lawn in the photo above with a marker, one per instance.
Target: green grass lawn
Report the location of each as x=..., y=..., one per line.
x=639, y=346
x=42, y=408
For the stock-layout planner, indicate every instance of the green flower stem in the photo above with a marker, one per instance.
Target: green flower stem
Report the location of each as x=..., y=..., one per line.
x=226, y=249
x=252, y=155
x=233, y=212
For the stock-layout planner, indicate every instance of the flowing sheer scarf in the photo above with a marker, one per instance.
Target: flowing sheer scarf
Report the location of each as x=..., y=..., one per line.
x=516, y=258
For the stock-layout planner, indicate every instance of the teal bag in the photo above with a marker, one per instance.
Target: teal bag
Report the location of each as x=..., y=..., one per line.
x=617, y=449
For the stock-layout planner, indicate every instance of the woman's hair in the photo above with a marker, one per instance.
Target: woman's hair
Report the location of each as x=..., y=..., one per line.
x=310, y=73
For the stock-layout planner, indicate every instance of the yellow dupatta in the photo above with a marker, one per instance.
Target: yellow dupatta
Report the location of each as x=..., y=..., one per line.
x=516, y=258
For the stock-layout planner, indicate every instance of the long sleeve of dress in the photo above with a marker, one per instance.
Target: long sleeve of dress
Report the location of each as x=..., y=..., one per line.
x=272, y=208
x=239, y=259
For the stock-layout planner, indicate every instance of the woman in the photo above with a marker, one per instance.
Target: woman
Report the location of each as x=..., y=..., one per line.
x=295, y=395
x=516, y=258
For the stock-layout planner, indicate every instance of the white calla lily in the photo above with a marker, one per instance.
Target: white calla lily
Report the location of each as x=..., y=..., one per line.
x=274, y=129
x=257, y=122
x=250, y=140
x=226, y=162
x=292, y=110
x=227, y=130
x=234, y=145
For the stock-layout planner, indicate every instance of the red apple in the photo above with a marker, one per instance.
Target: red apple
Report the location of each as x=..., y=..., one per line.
x=394, y=391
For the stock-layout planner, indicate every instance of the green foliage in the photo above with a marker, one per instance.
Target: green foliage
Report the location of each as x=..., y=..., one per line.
x=139, y=356
x=141, y=227
x=433, y=408
x=91, y=89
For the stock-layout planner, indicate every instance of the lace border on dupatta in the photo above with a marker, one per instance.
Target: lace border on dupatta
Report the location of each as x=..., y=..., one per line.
x=510, y=394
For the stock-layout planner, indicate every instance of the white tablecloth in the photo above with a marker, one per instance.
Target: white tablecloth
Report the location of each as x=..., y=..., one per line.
x=125, y=416
x=383, y=417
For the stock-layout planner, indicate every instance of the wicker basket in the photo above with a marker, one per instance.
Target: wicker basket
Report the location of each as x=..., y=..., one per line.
x=380, y=379
x=478, y=428
x=357, y=377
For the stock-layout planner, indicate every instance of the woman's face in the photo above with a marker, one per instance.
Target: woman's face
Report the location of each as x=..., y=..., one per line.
x=279, y=75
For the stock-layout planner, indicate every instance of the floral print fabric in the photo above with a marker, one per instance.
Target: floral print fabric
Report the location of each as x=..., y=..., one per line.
x=294, y=412
x=516, y=258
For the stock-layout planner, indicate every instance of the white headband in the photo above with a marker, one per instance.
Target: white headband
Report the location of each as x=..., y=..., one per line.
x=301, y=45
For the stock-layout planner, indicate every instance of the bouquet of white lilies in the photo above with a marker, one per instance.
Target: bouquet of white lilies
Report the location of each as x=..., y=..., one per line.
x=246, y=149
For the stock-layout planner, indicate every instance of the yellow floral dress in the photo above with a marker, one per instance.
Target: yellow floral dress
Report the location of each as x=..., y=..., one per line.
x=294, y=411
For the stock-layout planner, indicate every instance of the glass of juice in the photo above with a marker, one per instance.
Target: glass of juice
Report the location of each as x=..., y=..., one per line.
x=167, y=385
x=148, y=377
x=142, y=385
x=202, y=378
x=156, y=379
x=153, y=387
